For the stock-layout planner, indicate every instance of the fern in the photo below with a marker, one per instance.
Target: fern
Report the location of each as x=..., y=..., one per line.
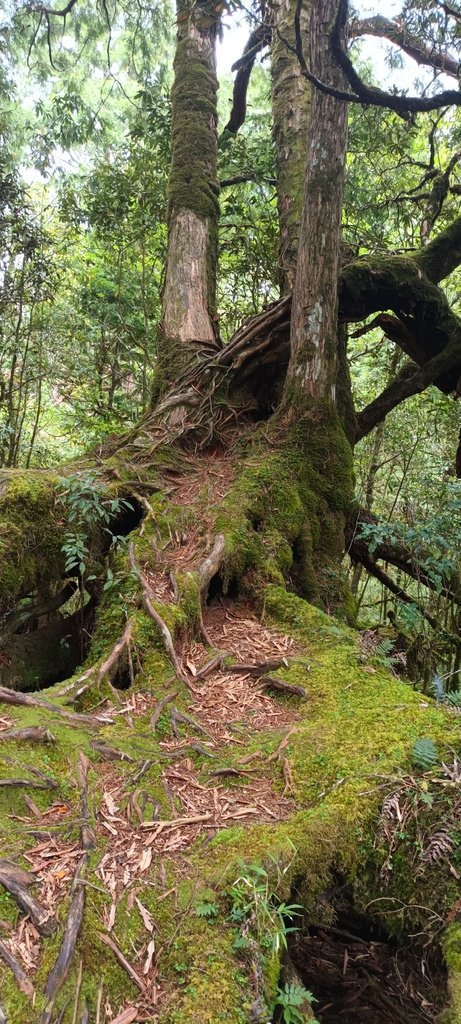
x=424, y=754
x=453, y=699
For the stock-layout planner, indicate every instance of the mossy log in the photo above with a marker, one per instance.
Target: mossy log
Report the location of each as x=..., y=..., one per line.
x=293, y=789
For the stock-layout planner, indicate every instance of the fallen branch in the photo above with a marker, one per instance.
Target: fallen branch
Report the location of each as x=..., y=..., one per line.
x=194, y=819
x=44, y=923
x=215, y=663
x=87, y=833
x=60, y=970
x=28, y=783
x=271, y=682
x=122, y=960
x=110, y=753
x=25, y=700
x=160, y=707
x=34, y=734
x=23, y=982
x=180, y=716
x=258, y=668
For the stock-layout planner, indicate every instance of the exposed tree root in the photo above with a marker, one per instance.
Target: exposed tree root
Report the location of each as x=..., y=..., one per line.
x=23, y=982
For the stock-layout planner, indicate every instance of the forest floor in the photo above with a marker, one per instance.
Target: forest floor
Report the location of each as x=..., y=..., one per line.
x=133, y=794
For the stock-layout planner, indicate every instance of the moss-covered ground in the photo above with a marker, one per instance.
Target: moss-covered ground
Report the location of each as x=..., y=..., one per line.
x=328, y=759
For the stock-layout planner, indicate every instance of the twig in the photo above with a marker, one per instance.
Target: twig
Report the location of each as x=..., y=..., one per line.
x=28, y=783
x=25, y=700
x=287, y=778
x=175, y=822
x=160, y=707
x=180, y=716
x=257, y=668
x=122, y=960
x=45, y=924
x=210, y=666
x=60, y=970
x=33, y=734
x=23, y=982
x=87, y=833
x=99, y=1004
x=271, y=682
x=77, y=992
x=110, y=753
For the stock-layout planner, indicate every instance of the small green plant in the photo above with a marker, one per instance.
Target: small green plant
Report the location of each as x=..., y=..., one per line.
x=424, y=754
x=292, y=999
x=207, y=909
x=256, y=907
x=84, y=497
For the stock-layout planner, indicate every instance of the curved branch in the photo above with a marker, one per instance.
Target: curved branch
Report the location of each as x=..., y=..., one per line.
x=377, y=97
x=398, y=34
x=260, y=38
x=396, y=554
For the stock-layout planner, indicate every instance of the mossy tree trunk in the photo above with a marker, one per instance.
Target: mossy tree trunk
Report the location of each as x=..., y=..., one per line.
x=193, y=205
x=312, y=368
x=291, y=97
x=144, y=792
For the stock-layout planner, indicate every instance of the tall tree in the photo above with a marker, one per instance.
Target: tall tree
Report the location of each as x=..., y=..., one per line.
x=237, y=485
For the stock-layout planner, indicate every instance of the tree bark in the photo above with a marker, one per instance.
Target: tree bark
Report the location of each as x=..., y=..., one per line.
x=193, y=207
x=291, y=98
x=314, y=330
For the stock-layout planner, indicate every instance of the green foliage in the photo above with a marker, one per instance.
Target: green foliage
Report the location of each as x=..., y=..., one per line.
x=255, y=907
x=84, y=497
x=424, y=754
x=291, y=998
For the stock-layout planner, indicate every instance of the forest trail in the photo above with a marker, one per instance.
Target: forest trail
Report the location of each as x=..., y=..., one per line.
x=215, y=769
x=198, y=750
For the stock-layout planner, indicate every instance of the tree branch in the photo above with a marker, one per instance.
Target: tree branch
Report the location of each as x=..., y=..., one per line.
x=362, y=93
x=398, y=34
x=256, y=42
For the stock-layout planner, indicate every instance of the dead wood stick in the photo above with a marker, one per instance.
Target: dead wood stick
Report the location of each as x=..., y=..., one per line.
x=3, y=1019
x=258, y=668
x=147, y=596
x=210, y=666
x=212, y=563
x=87, y=833
x=77, y=992
x=122, y=960
x=34, y=734
x=176, y=822
x=85, y=1017
x=271, y=682
x=160, y=707
x=232, y=771
x=45, y=924
x=111, y=753
x=27, y=783
x=145, y=767
x=23, y=982
x=25, y=700
x=287, y=778
x=180, y=716
x=60, y=969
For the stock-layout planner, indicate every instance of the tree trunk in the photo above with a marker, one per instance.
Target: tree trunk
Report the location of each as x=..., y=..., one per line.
x=193, y=206
x=291, y=97
x=314, y=316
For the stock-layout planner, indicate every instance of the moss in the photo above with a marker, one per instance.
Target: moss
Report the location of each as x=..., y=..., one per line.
x=31, y=534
